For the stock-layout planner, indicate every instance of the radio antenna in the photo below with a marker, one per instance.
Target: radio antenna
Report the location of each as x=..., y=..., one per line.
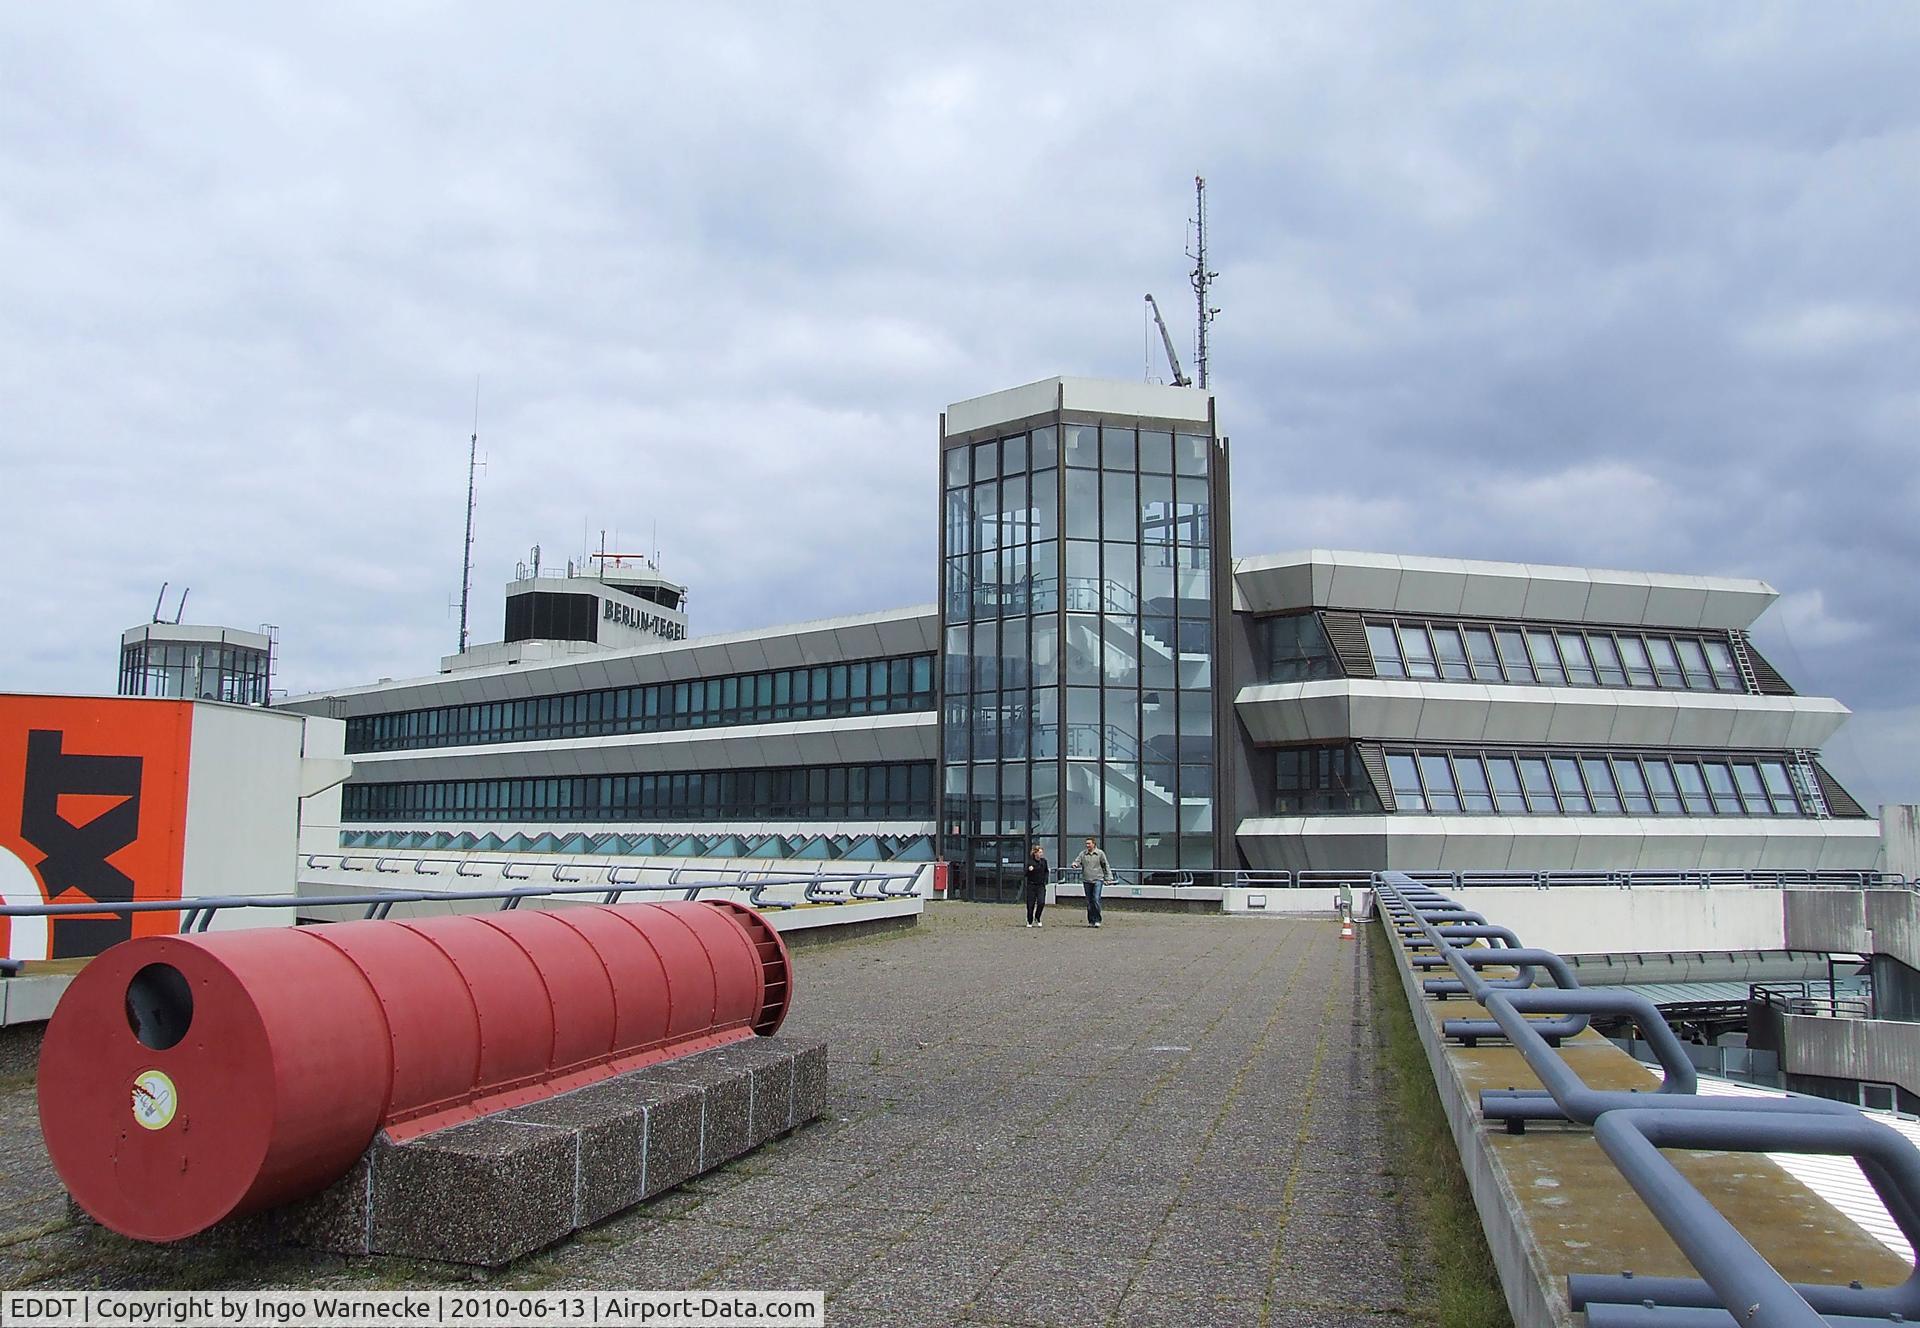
x=466, y=550
x=1202, y=277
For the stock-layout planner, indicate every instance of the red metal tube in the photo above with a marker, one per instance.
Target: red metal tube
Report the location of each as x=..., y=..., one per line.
x=186, y=1080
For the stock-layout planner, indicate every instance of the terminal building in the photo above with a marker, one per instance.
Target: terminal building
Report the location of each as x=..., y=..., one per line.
x=1099, y=664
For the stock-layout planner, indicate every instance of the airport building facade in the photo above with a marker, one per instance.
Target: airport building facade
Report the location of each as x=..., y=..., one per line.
x=1098, y=664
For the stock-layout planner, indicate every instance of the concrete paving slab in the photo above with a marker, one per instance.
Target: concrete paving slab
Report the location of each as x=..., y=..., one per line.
x=1008, y=1140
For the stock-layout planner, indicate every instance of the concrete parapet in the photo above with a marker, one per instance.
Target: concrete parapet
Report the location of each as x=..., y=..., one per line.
x=1552, y=1203
x=1883, y=1051
x=488, y=1191
x=1869, y=922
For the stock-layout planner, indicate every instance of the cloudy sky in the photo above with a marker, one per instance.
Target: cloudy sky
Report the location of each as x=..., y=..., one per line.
x=1619, y=285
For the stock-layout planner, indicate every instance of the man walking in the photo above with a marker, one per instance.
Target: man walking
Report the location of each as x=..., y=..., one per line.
x=1037, y=870
x=1094, y=874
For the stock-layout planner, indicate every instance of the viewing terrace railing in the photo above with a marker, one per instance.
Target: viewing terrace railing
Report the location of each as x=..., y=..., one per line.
x=1556, y=878
x=1822, y=999
x=1632, y=1127
x=1703, y=879
x=376, y=902
x=819, y=886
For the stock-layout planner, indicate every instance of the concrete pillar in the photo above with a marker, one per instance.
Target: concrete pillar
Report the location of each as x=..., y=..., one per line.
x=1900, y=839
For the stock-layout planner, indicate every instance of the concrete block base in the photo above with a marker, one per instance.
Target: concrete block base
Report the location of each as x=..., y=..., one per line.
x=493, y=1189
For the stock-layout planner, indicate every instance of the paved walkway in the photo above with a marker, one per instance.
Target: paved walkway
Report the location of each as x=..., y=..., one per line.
x=1172, y=1120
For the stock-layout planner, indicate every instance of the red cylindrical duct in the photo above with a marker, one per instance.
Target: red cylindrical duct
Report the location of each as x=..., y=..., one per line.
x=185, y=1080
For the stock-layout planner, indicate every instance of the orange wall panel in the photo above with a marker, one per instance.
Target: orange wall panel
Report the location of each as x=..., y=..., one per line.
x=93, y=806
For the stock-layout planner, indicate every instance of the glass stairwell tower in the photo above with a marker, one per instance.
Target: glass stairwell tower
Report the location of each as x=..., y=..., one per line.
x=1084, y=576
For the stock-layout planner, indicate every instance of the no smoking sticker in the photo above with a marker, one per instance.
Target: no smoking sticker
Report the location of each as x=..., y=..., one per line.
x=154, y=1099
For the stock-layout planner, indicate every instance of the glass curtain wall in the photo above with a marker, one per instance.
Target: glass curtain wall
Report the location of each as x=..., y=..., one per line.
x=1079, y=655
x=194, y=670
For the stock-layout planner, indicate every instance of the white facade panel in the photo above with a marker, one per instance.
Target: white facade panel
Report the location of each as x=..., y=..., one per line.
x=324, y=769
x=1459, y=716
x=1732, y=605
x=1101, y=396
x=1488, y=596
x=1682, y=602
x=1659, y=919
x=1430, y=585
x=1322, y=579
x=1753, y=726
x=1476, y=853
x=1117, y=396
x=1366, y=580
x=1620, y=600
x=1399, y=710
x=1577, y=724
x=1556, y=594
x=593, y=675
x=909, y=736
x=1015, y=403
x=1515, y=717
x=1647, y=724
x=1326, y=711
x=1702, y=726
x=1372, y=582
x=1411, y=842
x=829, y=642
x=242, y=833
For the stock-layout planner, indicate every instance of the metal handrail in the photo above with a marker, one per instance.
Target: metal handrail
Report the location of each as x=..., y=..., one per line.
x=1703, y=879
x=197, y=912
x=1804, y=998
x=1631, y=1128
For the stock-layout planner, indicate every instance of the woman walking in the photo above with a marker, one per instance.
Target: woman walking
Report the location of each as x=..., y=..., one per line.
x=1037, y=870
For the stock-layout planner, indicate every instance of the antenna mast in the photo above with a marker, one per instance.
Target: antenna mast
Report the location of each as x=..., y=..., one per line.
x=1202, y=276
x=466, y=551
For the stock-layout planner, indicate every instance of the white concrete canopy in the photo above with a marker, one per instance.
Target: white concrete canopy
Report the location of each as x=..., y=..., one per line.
x=1093, y=396
x=907, y=631
x=1407, y=711
x=854, y=739
x=1464, y=587
x=1545, y=843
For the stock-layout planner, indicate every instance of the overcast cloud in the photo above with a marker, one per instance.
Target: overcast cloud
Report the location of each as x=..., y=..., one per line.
x=1624, y=285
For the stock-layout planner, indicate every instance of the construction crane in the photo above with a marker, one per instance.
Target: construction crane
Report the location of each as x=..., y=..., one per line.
x=1180, y=379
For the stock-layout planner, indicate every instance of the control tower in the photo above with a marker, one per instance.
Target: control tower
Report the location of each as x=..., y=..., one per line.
x=607, y=601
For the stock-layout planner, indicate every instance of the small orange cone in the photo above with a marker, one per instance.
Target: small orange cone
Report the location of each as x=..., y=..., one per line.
x=1346, y=927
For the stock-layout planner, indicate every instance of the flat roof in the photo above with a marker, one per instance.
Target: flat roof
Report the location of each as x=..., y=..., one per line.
x=1095, y=396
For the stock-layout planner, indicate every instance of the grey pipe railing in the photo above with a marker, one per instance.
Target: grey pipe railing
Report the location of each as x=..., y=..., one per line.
x=1737, y=1285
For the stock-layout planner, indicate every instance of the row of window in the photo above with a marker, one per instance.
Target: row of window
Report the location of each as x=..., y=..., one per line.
x=1593, y=784
x=195, y=670
x=985, y=859
x=1158, y=653
x=1560, y=656
x=1316, y=781
x=1108, y=447
x=1112, y=724
x=1151, y=511
x=1022, y=578
x=824, y=691
x=894, y=791
x=1136, y=818
x=1541, y=783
